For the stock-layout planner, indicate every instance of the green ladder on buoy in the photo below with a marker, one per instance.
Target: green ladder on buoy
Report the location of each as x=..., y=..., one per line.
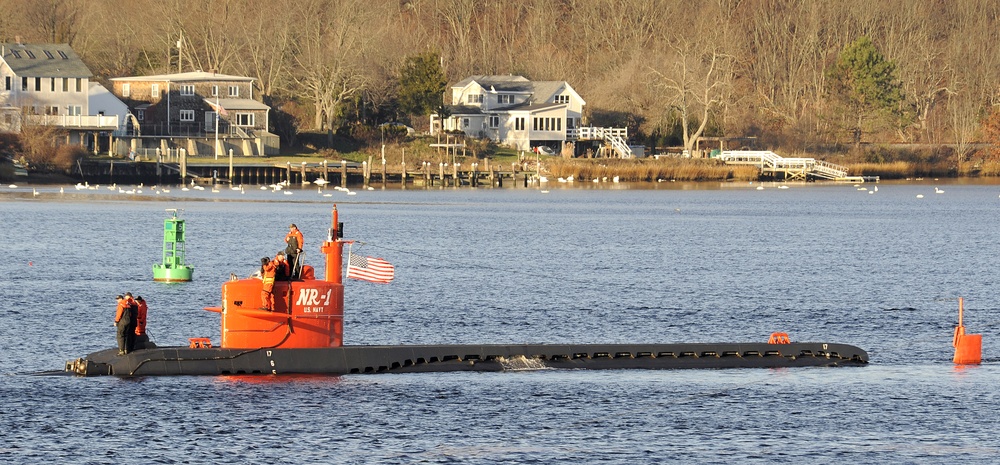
x=173, y=268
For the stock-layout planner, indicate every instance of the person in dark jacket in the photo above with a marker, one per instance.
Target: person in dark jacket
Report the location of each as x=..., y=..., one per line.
x=293, y=248
x=133, y=311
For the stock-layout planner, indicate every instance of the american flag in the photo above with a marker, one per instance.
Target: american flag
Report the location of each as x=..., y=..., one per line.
x=371, y=269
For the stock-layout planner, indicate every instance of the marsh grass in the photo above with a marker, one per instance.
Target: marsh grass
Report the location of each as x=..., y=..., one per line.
x=650, y=170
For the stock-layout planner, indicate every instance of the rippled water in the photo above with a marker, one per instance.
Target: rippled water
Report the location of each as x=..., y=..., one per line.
x=671, y=263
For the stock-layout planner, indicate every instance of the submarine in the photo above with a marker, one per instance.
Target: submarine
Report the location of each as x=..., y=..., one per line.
x=303, y=334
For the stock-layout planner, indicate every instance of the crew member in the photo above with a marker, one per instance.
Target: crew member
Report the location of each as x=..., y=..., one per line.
x=133, y=310
x=282, y=271
x=122, y=322
x=294, y=247
x=140, y=323
x=267, y=270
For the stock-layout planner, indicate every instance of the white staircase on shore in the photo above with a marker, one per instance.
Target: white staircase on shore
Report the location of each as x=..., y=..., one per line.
x=617, y=138
x=793, y=168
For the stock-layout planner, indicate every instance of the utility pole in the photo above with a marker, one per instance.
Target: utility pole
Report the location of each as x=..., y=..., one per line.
x=180, y=50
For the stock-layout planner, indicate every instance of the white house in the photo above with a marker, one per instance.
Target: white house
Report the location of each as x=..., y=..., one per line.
x=48, y=84
x=103, y=103
x=513, y=111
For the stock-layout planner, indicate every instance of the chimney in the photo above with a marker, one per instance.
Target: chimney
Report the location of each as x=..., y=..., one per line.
x=18, y=40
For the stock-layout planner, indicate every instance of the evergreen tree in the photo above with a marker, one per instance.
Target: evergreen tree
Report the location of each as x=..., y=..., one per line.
x=866, y=86
x=421, y=84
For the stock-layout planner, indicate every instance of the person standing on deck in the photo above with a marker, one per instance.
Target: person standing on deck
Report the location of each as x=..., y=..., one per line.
x=133, y=311
x=122, y=323
x=267, y=269
x=294, y=247
x=140, y=323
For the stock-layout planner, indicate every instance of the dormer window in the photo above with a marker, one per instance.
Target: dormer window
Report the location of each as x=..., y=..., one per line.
x=503, y=99
x=561, y=99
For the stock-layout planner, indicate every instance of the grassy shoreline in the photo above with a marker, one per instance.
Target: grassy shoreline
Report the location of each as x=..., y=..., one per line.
x=584, y=169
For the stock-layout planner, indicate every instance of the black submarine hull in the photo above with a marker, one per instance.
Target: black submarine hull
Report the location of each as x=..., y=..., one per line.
x=206, y=361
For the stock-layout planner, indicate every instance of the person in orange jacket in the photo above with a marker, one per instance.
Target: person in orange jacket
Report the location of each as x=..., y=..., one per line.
x=294, y=248
x=267, y=270
x=140, y=323
x=123, y=321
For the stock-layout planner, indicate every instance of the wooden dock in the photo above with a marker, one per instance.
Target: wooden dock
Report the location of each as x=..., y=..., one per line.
x=427, y=174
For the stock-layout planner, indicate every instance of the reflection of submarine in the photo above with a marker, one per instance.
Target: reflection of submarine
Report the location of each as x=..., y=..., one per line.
x=304, y=334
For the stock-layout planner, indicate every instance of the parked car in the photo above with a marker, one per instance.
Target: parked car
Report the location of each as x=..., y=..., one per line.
x=544, y=150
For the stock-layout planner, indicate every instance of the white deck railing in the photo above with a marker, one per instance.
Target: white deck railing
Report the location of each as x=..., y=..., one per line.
x=103, y=122
x=768, y=160
x=617, y=137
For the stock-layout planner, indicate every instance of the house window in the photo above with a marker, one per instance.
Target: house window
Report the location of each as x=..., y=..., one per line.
x=475, y=98
x=519, y=124
x=569, y=123
x=505, y=98
x=244, y=119
x=465, y=123
x=62, y=55
x=48, y=54
x=65, y=84
x=187, y=115
x=187, y=89
x=24, y=84
x=38, y=84
x=126, y=90
x=140, y=115
x=234, y=91
x=154, y=90
x=52, y=84
x=8, y=83
x=562, y=99
x=76, y=110
x=52, y=110
x=494, y=121
x=79, y=84
x=215, y=91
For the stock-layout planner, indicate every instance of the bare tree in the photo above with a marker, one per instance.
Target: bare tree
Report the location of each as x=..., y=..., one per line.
x=331, y=50
x=695, y=75
x=265, y=42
